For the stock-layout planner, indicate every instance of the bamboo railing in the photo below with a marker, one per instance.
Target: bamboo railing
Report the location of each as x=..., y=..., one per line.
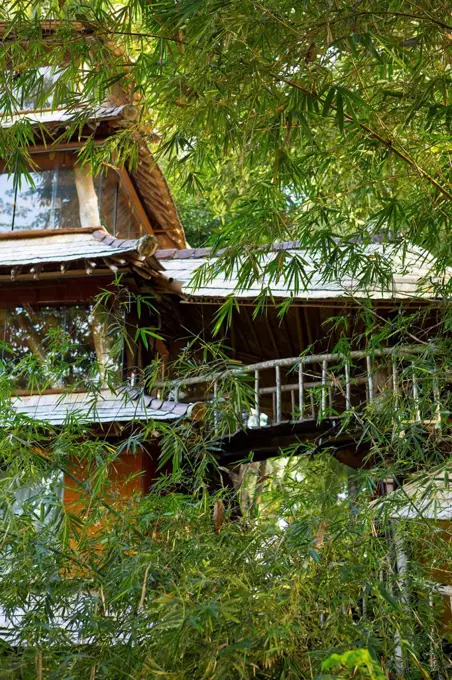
x=319, y=386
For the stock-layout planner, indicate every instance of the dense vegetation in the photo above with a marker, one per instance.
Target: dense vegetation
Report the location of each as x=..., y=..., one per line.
x=323, y=121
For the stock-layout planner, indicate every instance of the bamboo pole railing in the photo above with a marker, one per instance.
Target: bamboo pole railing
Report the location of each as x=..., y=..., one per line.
x=319, y=386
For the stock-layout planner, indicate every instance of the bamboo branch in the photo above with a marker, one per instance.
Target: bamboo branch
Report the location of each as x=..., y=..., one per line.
x=373, y=133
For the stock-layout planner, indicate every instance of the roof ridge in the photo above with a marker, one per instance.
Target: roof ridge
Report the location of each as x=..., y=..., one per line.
x=187, y=253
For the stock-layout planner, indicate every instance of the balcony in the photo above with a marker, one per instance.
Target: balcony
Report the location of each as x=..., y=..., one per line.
x=303, y=398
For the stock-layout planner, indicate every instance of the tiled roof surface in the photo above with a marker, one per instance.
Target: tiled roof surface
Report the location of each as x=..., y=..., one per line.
x=407, y=268
x=47, y=117
x=62, y=247
x=104, y=407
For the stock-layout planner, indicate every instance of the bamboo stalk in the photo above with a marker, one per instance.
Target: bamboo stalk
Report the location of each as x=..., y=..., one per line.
x=437, y=401
x=324, y=385
x=143, y=588
x=215, y=398
x=348, y=391
x=38, y=662
x=417, y=411
x=305, y=360
x=370, y=379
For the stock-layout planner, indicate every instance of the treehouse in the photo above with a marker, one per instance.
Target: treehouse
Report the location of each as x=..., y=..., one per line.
x=296, y=367
x=69, y=233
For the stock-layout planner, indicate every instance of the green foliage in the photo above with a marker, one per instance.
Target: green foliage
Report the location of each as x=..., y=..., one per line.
x=276, y=121
x=324, y=122
x=355, y=663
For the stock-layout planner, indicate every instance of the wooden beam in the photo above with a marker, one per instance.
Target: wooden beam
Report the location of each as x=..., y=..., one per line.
x=63, y=146
x=267, y=442
x=38, y=233
x=308, y=328
x=272, y=338
x=64, y=272
x=253, y=332
x=284, y=322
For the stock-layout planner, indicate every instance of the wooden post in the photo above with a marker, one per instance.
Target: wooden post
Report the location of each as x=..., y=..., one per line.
x=278, y=394
x=87, y=197
x=256, y=396
x=300, y=391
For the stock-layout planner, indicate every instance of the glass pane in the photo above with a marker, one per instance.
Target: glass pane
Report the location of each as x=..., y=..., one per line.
x=50, y=200
x=52, y=347
x=66, y=205
x=109, y=183
x=50, y=204
x=40, y=89
x=6, y=202
x=30, y=91
x=117, y=210
x=33, y=203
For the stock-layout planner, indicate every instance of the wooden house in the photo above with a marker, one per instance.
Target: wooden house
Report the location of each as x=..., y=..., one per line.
x=70, y=234
x=67, y=233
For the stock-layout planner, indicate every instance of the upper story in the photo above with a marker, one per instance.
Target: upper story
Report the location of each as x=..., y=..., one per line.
x=56, y=190
x=54, y=121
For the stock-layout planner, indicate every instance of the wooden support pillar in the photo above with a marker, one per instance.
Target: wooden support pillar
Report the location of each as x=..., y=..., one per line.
x=87, y=197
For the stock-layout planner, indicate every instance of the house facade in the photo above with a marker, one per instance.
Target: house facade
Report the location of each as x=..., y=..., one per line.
x=68, y=235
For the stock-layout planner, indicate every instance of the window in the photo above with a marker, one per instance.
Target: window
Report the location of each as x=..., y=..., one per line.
x=49, y=202
x=53, y=347
x=30, y=91
x=49, y=199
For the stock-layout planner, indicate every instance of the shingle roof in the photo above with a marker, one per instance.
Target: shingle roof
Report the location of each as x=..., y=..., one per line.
x=408, y=268
x=57, y=116
x=56, y=247
x=105, y=407
x=429, y=497
x=38, y=253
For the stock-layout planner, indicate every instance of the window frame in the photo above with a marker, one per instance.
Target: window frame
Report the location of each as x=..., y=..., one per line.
x=45, y=158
